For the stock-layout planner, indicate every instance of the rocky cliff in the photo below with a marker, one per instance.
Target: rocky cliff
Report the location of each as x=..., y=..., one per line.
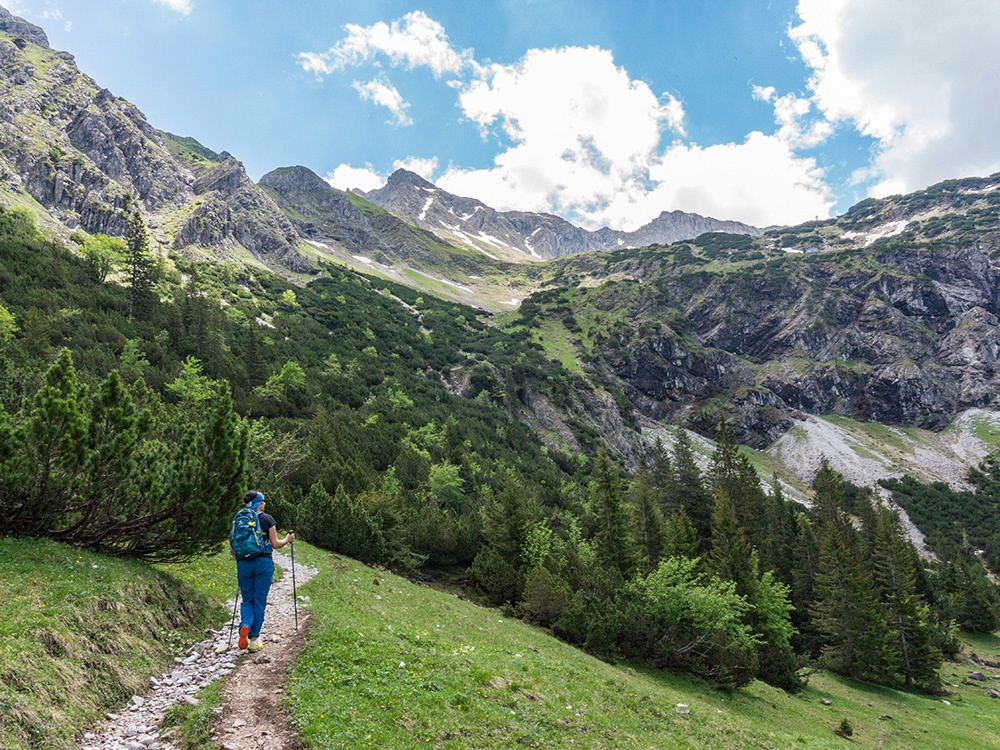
x=899, y=329
x=79, y=155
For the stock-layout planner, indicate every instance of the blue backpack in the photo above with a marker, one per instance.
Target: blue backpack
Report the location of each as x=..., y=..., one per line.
x=245, y=536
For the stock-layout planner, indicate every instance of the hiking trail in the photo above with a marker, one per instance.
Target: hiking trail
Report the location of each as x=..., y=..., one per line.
x=252, y=716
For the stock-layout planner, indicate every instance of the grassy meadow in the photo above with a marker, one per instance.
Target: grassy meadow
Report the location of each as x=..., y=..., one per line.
x=392, y=663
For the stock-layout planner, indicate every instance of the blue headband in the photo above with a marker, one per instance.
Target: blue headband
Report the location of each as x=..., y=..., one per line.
x=252, y=505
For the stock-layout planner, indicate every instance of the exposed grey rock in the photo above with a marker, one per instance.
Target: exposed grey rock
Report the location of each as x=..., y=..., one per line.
x=24, y=29
x=541, y=235
x=88, y=156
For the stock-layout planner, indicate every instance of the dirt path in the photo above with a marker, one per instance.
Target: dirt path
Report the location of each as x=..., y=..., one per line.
x=253, y=717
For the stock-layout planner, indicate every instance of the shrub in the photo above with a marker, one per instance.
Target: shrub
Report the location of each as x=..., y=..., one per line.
x=700, y=624
x=340, y=524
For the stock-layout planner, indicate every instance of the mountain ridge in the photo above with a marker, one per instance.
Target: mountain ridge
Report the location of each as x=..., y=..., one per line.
x=539, y=236
x=84, y=159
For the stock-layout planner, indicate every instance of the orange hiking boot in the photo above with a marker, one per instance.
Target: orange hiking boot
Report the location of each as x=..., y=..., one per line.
x=244, y=632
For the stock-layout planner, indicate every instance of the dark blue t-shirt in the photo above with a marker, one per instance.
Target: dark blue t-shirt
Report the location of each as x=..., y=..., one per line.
x=266, y=523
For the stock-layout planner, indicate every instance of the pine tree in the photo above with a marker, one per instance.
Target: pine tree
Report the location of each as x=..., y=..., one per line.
x=804, y=567
x=141, y=267
x=894, y=574
x=681, y=538
x=856, y=638
x=733, y=472
x=729, y=557
x=686, y=488
x=613, y=541
x=649, y=525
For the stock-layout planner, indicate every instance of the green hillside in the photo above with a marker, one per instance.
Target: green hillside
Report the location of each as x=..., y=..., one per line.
x=390, y=663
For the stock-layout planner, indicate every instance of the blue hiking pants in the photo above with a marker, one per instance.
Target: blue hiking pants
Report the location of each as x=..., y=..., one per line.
x=254, y=576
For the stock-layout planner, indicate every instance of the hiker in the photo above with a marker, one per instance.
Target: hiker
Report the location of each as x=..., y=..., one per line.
x=255, y=573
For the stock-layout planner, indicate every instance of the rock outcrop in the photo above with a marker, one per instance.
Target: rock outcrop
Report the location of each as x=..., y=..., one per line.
x=87, y=157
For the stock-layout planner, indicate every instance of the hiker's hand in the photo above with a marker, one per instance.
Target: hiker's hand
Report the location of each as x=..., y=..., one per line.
x=290, y=537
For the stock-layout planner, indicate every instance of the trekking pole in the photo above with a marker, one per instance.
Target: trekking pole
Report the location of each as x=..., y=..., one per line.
x=233, y=623
x=295, y=602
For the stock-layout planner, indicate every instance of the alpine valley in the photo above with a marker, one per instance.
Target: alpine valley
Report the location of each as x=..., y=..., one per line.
x=483, y=397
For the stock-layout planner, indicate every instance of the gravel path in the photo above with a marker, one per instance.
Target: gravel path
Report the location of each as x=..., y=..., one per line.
x=254, y=689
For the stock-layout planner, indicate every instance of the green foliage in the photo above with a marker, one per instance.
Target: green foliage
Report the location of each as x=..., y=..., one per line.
x=339, y=523
x=699, y=624
x=103, y=255
x=141, y=268
x=106, y=469
x=8, y=325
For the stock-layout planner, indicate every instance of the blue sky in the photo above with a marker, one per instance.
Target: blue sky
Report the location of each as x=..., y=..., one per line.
x=606, y=113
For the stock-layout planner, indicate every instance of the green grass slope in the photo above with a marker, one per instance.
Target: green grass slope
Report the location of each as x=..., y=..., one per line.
x=81, y=633
x=392, y=664
x=389, y=663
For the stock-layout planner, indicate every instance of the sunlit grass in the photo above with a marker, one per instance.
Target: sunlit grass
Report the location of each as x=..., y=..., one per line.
x=394, y=664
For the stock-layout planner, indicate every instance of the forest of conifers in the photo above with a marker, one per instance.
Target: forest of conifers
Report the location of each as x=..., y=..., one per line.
x=140, y=399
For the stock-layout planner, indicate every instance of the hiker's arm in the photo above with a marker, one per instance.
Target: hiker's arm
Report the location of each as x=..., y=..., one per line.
x=273, y=536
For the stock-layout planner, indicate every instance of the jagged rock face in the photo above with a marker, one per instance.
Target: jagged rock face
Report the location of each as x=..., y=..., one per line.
x=672, y=226
x=235, y=210
x=911, y=340
x=87, y=156
x=467, y=220
x=77, y=149
x=538, y=235
x=322, y=212
x=19, y=28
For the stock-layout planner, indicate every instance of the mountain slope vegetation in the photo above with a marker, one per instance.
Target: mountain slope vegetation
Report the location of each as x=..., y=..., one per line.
x=154, y=365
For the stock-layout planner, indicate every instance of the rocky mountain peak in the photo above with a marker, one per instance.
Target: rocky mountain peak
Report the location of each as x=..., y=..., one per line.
x=300, y=178
x=18, y=27
x=405, y=177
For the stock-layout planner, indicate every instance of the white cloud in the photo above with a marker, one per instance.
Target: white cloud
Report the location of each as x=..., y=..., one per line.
x=760, y=181
x=181, y=6
x=414, y=40
x=577, y=136
x=423, y=167
x=346, y=177
x=922, y=82
x=580, y=129
x=385, y=95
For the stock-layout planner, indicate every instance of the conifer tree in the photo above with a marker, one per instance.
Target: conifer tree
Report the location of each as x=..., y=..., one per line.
x=686, y=488
x=681, y=538
x=613, y=540
x=733, y=472
x=804, y=567
x=729, y=557
x=920, y=660
x=649, y=525
x=856, y=639
x=140, y=265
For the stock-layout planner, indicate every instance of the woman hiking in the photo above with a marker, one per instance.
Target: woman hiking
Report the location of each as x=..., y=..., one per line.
x=255, y=573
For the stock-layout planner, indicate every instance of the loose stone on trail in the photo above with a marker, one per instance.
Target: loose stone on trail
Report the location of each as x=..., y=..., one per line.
x=137, y=725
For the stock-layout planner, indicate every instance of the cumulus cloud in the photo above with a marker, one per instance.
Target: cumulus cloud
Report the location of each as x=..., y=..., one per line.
x=423, y=167
x=922, y=83
x=580, y=128
x=761, y=181
x=181, y=6
x=414, y=40
x=346, y=177
x=577, y=136
x=385, y=95
x=798, y=125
